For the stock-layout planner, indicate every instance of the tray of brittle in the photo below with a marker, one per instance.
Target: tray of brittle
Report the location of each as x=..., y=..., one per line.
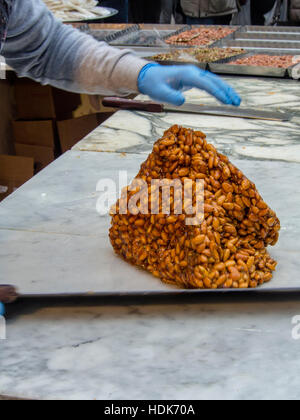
x=147, y=37
x=202, y=36
x=198, y=56
x=258, y=64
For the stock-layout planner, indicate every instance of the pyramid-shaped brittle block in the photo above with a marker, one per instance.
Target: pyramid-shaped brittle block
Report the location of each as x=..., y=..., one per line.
x=226, y=250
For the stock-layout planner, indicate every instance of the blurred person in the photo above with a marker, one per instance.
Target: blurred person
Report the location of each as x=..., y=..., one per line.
x=38, y=46
x=258, y=10
x=294, y=11
x=209, y=12
x=169, y=9
x=243, y=17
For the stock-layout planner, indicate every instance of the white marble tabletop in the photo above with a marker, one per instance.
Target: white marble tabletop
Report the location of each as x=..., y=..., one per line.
x=223, y=349
x=233, y=136
x=228, y=347
x=57, y=211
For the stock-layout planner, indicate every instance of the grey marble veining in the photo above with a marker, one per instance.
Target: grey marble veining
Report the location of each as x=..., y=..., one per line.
x=241, y=138
x=258, y=93
x=52, y=240
x=237, y=137
x=218, y=350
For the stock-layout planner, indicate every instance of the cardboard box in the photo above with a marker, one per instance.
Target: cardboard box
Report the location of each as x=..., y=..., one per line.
x=35, y=133
x=35, y=101
x=42, y=156
x=6, y=112
x=14, y=172
x=72, y=131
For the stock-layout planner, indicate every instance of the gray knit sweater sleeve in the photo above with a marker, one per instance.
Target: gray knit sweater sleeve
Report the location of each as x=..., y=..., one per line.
x=40, y=47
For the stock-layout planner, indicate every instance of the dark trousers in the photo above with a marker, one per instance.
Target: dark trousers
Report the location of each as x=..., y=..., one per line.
x=218, y=20
x=258, y=9
x=171, y=8
x=121, y=6
x=145, y=11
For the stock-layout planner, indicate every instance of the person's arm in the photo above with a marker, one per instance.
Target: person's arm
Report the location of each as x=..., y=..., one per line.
x=42, y=48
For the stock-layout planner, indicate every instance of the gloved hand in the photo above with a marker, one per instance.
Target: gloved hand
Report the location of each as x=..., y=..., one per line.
x=2, y=311
x=167, y=83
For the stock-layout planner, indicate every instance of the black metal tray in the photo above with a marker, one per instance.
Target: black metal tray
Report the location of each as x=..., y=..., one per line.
x=224, y=67
x=202, y=65
x=213, y=43
x=147, y=37
x=110, y=35
x=271, y=29
x=267, y=37
x=146, y=52
x=262, y=45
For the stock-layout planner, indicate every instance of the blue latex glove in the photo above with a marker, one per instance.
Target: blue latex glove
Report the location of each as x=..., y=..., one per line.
x=167, y=83
x=2, y=311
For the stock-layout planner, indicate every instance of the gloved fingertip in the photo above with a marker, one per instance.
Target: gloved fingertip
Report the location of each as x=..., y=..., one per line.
x=234, y=97
x=2, y=310
x=177, y=99
x=223, y=98
x=181, y=101
x=237, y=101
